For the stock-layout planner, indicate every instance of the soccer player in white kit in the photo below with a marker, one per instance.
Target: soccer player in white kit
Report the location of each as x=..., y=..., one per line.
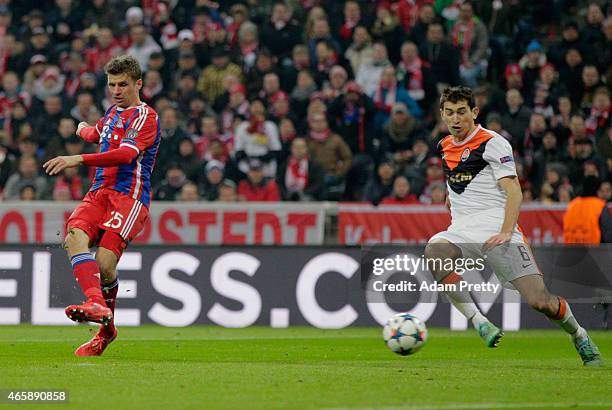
x=484, y=197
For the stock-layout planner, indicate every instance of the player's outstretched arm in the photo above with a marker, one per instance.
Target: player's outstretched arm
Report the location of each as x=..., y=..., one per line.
x=514, y=197
x=58, y=164
x=88, y=132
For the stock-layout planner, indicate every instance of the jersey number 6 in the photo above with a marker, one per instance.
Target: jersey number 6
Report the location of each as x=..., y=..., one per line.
x=115, y=221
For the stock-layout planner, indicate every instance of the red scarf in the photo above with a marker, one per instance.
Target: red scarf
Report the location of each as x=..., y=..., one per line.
x=256, y=126
x=462, y=38
x=321, y=136
x=296, y=177
x=385, y=104
x=597, y=119
x=416, y=73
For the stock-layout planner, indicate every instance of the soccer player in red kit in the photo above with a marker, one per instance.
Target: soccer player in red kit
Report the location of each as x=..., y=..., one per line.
x=116, y=207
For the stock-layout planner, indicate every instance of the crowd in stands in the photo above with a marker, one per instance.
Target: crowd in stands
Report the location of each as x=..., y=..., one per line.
x=307, y=100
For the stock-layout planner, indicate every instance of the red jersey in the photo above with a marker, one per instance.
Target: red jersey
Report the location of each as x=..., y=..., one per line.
x=136, y=128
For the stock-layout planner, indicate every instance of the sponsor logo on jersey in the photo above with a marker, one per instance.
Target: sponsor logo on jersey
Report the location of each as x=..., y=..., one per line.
x=465, y=154
x=460, y=177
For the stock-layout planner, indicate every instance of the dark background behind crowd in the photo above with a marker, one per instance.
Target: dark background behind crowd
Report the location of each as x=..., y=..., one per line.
x=310, y=100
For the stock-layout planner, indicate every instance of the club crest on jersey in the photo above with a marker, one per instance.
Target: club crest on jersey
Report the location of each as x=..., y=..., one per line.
x=465, y=154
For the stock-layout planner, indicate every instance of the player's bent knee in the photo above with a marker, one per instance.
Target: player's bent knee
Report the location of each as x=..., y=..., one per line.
x=76, y=239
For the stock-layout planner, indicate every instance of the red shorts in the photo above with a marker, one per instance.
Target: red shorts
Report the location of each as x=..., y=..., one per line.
x=110, y=219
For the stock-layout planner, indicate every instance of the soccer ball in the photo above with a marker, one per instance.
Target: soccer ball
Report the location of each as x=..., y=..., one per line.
x=404, y=334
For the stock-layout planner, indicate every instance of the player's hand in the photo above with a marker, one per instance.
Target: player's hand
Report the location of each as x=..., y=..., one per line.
x=495, y=240
x=81, y=125
x=58, y=164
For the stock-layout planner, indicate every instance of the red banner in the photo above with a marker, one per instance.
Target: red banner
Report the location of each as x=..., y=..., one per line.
x=179, y=223
x=366, y=224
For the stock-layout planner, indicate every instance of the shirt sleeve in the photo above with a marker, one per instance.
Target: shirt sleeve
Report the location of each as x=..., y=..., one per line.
x=498, y=153
x=142, y=131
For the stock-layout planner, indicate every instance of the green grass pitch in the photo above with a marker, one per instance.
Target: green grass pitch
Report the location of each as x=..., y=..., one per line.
x=204, y=367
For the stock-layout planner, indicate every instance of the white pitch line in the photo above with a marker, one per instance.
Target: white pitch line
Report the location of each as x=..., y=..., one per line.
x=468, y=406
x=178, y=339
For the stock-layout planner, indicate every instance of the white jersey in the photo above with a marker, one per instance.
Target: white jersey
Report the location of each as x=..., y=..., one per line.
x=473, y=168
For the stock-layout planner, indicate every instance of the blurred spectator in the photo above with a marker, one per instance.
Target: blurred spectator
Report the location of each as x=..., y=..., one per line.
x=352, y=19
x=331, y=153
x=143, y=45
x=388, y=29
x=257, y=138
x=570, y=38
x=442, y=56
x=189, y=193
x=398, y=135
x=214, y=174
x=434, y=177
x=227, y=191
x=352, y=116
x=494, y=123
x=69, y=186
x=516, y=119
x=300, y=62
x=360, y=50
x=65, y=130
x=27, y=193
x=548, y=153
x=248, y=43
x=186, y=156
x=211, y=79
x=321, y=34
x=256, y=187
x=570, y=74
x=531, y=63
x=10, y=95
x=585, y=154
x=605, y=191
x=171, y=134
x=299, y=177
x=414, y=75
x=380, y=184
x=45, y=124
x=470, y=36
x=84, y=107
x=281, y=33
x=27, y=174
x=388, y=94
x=370, y=72
x=426, y=16
x=172, y=184
x=401, y=194
x=599, y=118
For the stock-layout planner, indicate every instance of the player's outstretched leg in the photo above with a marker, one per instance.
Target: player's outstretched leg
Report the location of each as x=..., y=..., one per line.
x=87, y=274
x=441, y=249
x=110, y=287
x=534, y=292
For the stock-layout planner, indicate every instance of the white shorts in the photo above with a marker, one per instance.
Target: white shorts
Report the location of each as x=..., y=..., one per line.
x=508, y=261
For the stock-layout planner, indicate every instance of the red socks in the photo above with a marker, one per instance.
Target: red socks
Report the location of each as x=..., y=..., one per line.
x=87, y=274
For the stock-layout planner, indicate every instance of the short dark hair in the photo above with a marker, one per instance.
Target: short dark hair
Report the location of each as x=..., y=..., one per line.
x=124, y=64
x=456, y=94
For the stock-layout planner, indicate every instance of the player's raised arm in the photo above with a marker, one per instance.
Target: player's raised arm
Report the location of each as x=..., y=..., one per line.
x=89, y=133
